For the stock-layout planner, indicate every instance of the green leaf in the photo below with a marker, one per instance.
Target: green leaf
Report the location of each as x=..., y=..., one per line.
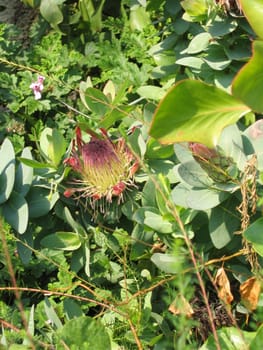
x=62, y=241
x=51, y=12
x=76, y=226
x=162, y=194
x=253, y=234
x=155, y=150
x=34, y=163
x=139, y=18
x=216, y=58
x=248, y=83
x=15, y=211
x=87, y=9
x=7, y=170
x=87, y=258
x=158, y=223
x=231, y=143
x=96, y=18
x=24, y=251
x=197, y=112
x=40, y=201
x=31, y=326
x=196, y=9
x=223, y=222
x=24, y=174
x=151, y=92
x=221, y=26
x=197, y=198
x=71, y=309
x=253, y=10
x=192, y=173
x=114, y=115
x=256, y=342
x=52, y=145
x=51, y=314
x=84, y=333
x=193, y=62
x=152, y=220
x=199, y=43
x=230, y=338
x=97, y=102
x=140, y=238
x=183, y=152
x=169, y=263
x=255, y=135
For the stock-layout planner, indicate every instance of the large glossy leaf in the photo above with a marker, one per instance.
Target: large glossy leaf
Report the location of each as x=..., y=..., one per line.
x=195, y=111
x=253, y=10
x=15, y=211
x=7, y=170
x=248, y=84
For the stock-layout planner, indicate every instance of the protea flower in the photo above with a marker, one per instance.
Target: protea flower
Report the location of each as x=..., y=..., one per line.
x=218, y=166
x=104, y=168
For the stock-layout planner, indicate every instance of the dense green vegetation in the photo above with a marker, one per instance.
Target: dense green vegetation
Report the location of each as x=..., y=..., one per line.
x=131, y=170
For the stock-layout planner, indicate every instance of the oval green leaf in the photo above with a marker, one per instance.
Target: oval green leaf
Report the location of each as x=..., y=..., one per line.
x=169, y=263
x=24, y=174
x=193, y=111
x=253, y=234
x=52, y=145
x=96, y=101
x=40, y=201
x=15, y=211
x=7, y=170
x=51, y=12
x=199, y=43
x=62, y=241
x=197, y=198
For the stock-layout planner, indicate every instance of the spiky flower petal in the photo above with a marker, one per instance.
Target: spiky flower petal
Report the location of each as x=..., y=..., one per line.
x=104, y=169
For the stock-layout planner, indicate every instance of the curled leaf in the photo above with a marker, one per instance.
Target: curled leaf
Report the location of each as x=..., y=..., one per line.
x=223, y=285
x=249, y=292
x=180, y=306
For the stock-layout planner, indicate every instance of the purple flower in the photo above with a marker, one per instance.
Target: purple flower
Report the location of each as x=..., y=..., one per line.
x=104, y=168
x=37, y=87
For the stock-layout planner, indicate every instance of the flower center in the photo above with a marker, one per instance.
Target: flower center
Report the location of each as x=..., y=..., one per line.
x=104, y=165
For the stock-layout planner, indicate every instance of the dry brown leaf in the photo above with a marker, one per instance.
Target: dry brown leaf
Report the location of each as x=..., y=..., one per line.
x=180, y=306
x=249, y=292
x=223, y=285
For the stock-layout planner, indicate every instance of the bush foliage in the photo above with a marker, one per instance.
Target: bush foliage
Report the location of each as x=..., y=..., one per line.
x=131, y=175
